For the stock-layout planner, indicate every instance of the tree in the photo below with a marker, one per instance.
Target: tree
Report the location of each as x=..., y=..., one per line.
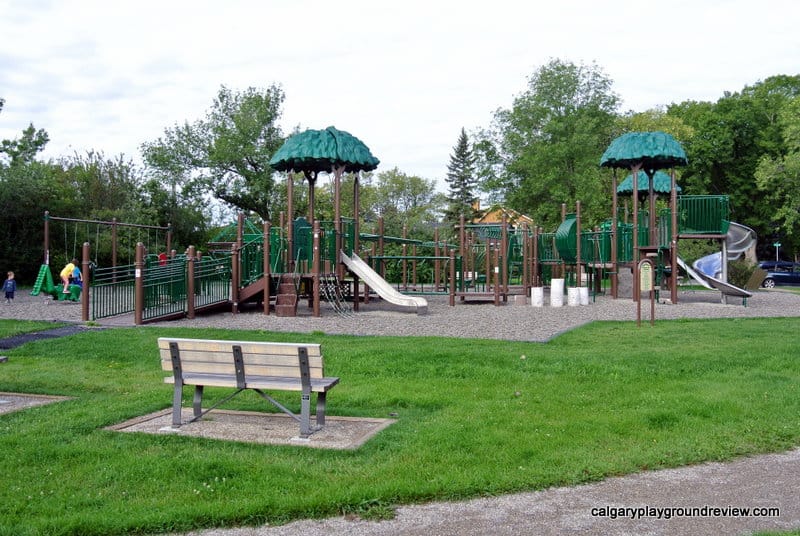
x=23, y=150
x=227, y=154
x=731, y=137
x=778, y=178
x=462, y=182
x=404, y=200
x=546, y=149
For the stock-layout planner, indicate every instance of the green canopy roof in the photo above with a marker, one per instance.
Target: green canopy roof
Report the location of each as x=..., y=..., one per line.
x=322, y=151
x=662, y=184
x=650, y=150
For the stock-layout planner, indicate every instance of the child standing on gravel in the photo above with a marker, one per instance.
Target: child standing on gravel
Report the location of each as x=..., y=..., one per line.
x=10, y=286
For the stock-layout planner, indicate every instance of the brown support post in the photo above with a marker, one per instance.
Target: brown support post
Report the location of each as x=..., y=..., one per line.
x=578, y=277
x=114, y=244
x=537, y=282
x=315, y=269
x=452, y=278
x=267, y=267
x=289, y=223
x=380, y=246
x=85, y=259
x=673, y=201
x=138, y=301
x=235, y=276
x=635, y=200
x=169, y=237
x=614, y=230
x=437, y=264
x=404, y=249
x=504, y=257
x=356, y=233
x=239, y=229
x=462, y=238
x=46, y=238
x=526, y=257
x=651, y=200
x=190, y=282
x=562, y=267
x=496, y=277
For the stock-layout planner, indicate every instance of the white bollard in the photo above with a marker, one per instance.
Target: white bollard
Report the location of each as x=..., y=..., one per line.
x=557, y=292
x=584, y=295
x=537, y=296
x=573, y=296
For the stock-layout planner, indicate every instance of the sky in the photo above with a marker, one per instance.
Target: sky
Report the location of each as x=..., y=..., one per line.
x=404, y=77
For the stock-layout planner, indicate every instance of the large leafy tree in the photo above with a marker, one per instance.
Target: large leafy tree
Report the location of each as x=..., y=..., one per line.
x=226, y=154
x=462, y=181
x=545, y=150
x=778, y=178
x=731, y=138
x=404, y=200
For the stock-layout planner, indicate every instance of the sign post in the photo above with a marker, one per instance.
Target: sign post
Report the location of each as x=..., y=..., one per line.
x=646, y=284
x=777, y=249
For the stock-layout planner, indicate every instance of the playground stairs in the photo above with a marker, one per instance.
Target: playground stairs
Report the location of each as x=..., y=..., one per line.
x=252, y=290
x=286, y=301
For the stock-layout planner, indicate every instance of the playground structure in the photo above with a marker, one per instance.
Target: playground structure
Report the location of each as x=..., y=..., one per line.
x=306, y=258
x=249, y=264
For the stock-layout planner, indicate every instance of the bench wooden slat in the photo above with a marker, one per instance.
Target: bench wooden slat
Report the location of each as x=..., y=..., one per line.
x=255, y=382
x=248, y=347
x=215, y=361
x=251, y=369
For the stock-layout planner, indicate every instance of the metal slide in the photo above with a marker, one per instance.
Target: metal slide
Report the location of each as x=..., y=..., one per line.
x=386, y=291
x=740, y=238
x=694, y=275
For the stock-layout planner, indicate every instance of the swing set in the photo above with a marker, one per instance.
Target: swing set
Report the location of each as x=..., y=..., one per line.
x=44, y=281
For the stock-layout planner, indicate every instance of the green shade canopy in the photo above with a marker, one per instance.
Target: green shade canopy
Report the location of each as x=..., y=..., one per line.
x=650, y=150
x=662, y=184
x=322, y=151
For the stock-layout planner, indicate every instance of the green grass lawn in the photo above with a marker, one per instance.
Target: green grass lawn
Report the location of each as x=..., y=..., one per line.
x=475, y=418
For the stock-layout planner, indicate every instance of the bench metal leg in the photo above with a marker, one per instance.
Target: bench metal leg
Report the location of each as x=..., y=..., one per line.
x=305, y=415
x=177, y=397
x=321, y=409
x=197, y=403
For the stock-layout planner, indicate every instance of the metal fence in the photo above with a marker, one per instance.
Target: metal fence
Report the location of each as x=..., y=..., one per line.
x=164, y=288
x=112, y=291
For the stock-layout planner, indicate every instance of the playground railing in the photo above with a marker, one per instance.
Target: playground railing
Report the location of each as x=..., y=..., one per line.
x=212, y=276
x=703, y=214
x=164, y=288
x=112, y=291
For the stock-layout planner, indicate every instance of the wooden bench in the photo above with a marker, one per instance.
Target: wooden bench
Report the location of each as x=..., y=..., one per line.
x=259, y=366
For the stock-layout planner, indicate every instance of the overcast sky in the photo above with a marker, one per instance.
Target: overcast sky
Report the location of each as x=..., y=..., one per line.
x=403, y=76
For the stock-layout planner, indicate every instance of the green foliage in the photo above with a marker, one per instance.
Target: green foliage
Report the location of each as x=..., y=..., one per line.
x=731, y=137
x=226, y=154
x=462, y=182
x=546, y=149
x=739, y=272
x=778, y=178
x=474, y=418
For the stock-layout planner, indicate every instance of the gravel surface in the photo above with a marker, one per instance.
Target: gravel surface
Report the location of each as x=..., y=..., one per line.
x=759, y=481
x=469, y=319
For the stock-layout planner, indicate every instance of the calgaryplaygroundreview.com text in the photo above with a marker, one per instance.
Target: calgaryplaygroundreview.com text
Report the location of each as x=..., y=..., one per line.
x=669, y=512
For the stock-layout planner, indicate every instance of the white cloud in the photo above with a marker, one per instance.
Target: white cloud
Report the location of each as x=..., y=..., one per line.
x=403, y=77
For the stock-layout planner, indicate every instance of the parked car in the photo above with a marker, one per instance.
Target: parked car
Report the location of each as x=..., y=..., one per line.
x=780, y=273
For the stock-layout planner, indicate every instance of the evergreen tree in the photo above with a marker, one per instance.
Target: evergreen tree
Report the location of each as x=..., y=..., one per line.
x=462, y=181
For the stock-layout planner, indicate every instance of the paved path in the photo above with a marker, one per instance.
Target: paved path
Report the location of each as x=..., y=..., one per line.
x=768, y=481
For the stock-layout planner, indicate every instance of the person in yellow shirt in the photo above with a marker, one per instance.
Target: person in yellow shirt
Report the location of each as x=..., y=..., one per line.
x=66, y=273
